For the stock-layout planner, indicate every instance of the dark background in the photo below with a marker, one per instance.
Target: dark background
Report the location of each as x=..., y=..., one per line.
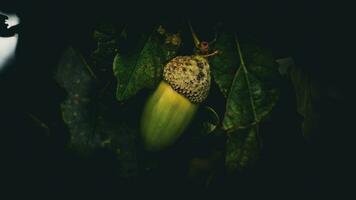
x=314, y=34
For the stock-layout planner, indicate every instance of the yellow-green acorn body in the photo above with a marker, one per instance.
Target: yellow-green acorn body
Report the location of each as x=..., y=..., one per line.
x=168, y=112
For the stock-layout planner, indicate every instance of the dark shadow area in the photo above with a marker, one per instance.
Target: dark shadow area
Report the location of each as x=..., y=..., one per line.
x=36, y=161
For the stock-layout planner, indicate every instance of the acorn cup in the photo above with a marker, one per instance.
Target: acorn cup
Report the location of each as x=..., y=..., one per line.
x=172, y=106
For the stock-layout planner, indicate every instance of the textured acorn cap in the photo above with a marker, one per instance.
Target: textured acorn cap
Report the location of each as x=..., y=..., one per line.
x=189, y=76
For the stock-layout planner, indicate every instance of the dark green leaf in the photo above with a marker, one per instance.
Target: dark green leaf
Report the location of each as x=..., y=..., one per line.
x=254, y=90
x=116, y=133
x=242, y=149
x=143, y=67
x=73, y=75
x=306, y=91
x=225, y=64
x=103, y=56
x=93, y=120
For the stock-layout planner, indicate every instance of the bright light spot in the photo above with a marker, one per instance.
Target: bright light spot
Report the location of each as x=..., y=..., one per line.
x=13, y=19
x=8, y=44
x=7, y=49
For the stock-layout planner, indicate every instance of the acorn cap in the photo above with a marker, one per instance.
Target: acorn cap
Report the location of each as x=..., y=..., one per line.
x=189, y=76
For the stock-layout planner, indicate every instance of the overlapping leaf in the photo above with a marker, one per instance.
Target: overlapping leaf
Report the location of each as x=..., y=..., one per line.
x=225, y=64
x=247, y=75
x=142, y=68
x=253, y=90
x=92, y=120
x=77, y=111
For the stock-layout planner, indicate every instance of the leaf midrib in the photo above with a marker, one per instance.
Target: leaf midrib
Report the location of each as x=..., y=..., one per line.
x=247, y=80
x=135, y=66
x=244, y=68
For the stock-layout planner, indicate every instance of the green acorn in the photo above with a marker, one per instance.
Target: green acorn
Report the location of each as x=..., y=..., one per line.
x=172, y=106
x=170, y=109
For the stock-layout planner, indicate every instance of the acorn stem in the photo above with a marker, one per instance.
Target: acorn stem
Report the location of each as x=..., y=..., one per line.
x=211, y=54
x=195, y=37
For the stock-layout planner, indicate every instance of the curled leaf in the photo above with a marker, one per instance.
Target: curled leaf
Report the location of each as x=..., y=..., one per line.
x=212, y=120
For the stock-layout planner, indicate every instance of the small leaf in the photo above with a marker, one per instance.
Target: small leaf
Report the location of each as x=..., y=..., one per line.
x=211, y=120
x=143, y=67
x=242, y=149
x=254, y=90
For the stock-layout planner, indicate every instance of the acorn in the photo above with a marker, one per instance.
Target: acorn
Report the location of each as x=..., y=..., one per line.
x=170, y=109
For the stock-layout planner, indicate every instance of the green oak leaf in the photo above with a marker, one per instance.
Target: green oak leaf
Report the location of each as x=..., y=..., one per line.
x=142, y=68
x=93, y=122
x=74, y=76
x=254, y=90
x=247, y=75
